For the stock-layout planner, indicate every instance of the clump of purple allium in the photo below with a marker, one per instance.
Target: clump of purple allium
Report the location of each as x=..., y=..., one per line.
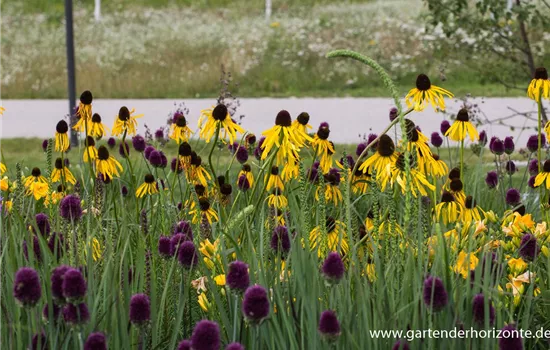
x=165, y=247
x=360, y=148
x=96, y=341
x=124, y=149
x=529, y=248
x=280, y=240
x=534, y=167
x=243, y=184
x=45, y=145
x=436, y=139
x=74, y=285
x=496, y=146
x=483, y=138
x=328, y=324
x=176, y=241
x=237, y=278
x=445, y=125
x=139, y=143
x=393, y=114
x=491, y=179
x=511, y=167
x=242, y=155
x=26, y=287
x=187, y=255
x=70, y=208
x=185, y=344
x=531, y=181
x=333, y=267
x=147, y=152
x=159, y=134
x=510, y=338
x=478, y=309
x=513, y=197
x=140, y=309
x=155, y=158
x=184, y=227
x=57, y=282
x=509, y=145
x=56, y=311
x=401, y=345
x=35, y=248
x=111, y=142
x=255, y=305
x=435, y=295
x=163, y=160
x=175, y=166
x=533, y=142
x=43, y=224
x=39, y=342
x=206, y=336
x=234, y=346
x=76, y=314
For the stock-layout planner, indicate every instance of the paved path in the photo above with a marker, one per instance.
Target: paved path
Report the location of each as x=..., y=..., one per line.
x=348, y=117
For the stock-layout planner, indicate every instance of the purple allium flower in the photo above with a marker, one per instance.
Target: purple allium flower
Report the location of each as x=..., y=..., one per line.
x=370, y=139
x=147, y=152
x=185, y=344
x=45, y=145
x=329, y=325
x=124, y=191
x=261, y=142
x=345, y=160
x=70, y=208
x=360, y=148
x=187, y=255
x=43, y=224
x=76, y=314
x=435, y=295
x=258, y=153
x=140, y=309
x=35, y=249
x=232, y=147
x=96, y=341
x=533, y=142
x=57, y=281
x=39, y=342
x=483, y=138
x=165, y=247
x=255, y=304
x=237, y=277
x=56, y=311
x=333, y=267
x=534, y=167
x=139, y=143
x=242, y=183
x=509, y=145
x=491, y=179
x=111, y=142
x=436, y=139
x=159, y=134
x=176, y=241
x=163, y=160
x=155, y=158
x=123, y=149
x=206, y=336
x=184, y=227
x=496, y=146
x=175, y=166
x=531, y=181
x=234, y=346
x=513, y=197
x=510, y=338
x=511, y=167
x=445, y=125
x=280, y=240
x=478, y=309
x=324, y=125
x=26, y=287
x=528, y=248
x=74, y=285
x=401, y=345
x=242, y=155
x=393, y=114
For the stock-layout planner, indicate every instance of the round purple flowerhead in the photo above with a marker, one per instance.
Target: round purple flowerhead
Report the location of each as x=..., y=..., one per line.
x=76, y=314
x=159, y=134
x=175, y=166
x=478, y=309
x=35, y=249
x=56, y=312
x=511, y=167
x=533, y=143
x=509, y=145
x=496, y=146
x=176, y=241
x=328, y=324
x=528, y=248
x=234, y=346
x=26, y=287
x=242, y=155
x=255, y=304
x=370, y=139
x=513, y=197
x=187, y=255
x=436, y=139
x=96, y=341
x=57, y=282
x=39, y=342
x=237, y=277
x=45, y=145
x=123, y=149
x=445, y=125
x=184, y=345
x=401, y=345
x=393, y=114
x=232, y=147
x=280, y=240
x=139, y=143
x=74, y=285
x=70, y=208
x=243, y=184
x=531, y=181
x=333, y=267
x=206, y=336
x=313, y=174
x=360, y=148
x=184, y=227
x=147, y=152
x=491, y=179
x=111, y=142
x=534, y=167
x=43, y=224
x=140, y=309
x=163, y=160
x=435, y=295
x=165, y=247
x=483, y=138
x=510, y=338
x=155, y=158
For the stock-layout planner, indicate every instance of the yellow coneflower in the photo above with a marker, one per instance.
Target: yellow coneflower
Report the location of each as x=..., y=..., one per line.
x=540, y=85
x=215, y=118
x=300, y=127
x=425, y=93
x=456, y=188
x=544, y=176
x=361, y=181
x=384, y=156
x=247, y=172
x=84, y=111
x=179, y=131
x=436, y=167
x=225, y=193
x=125, y=122
x=204, y=211
x=290, y=171
x=106, y=164
x=184, y=155
x=196, y=172
x=332, y=192
x=3, y=168
x=36, y=176
x=470, y=211
x=60, y=172
x=274, y=180
x=55, y=196
x=61, y=138
x=324, y=149
x=149, y=186
x=96, y=127
x=397, y=175
x=90, y=152
x=284, y=137
x=418, y=142
x=2, y=110
x=449, y=209
x=335, y=239
x=277, y=199
x=462, y=127
x=37, y=189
